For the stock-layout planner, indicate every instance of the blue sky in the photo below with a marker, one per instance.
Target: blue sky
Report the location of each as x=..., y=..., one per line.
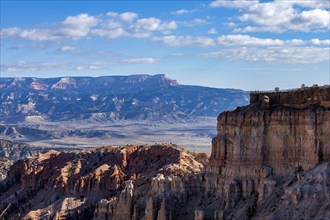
x=247, y=44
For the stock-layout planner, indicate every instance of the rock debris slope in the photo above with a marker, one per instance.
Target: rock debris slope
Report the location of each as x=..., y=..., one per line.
x=270, y=160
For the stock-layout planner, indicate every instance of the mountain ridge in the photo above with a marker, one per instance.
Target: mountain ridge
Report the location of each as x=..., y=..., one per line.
x=46, y=111
x=136, y=96
x=74, y=82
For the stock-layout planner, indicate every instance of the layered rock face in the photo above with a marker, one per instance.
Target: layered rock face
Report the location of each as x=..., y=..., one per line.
x=279, y=138
x=253, y=141
x=262, y=149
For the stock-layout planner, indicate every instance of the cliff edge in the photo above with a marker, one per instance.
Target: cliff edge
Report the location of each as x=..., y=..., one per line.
x=262, y=150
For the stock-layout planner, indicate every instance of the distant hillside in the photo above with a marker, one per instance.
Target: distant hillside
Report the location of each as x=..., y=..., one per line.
x=95, y=111
x=111, y=98
x=17, y=151
x=10, y=152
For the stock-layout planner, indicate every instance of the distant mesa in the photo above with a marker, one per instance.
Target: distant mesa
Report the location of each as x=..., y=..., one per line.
x=36, y=85
x=62, y=109
x=65, y=83
x=147, y=97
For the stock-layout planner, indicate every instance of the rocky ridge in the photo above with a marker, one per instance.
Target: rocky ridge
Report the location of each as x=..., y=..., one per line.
x=112, y=181
x=12, y=151
x=270, y=160
x=142, y=97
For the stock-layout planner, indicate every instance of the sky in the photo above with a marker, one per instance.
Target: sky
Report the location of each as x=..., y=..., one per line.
x=245, y=44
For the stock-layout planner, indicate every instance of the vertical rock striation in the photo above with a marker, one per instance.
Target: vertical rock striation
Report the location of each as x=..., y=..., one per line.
x=262, y=146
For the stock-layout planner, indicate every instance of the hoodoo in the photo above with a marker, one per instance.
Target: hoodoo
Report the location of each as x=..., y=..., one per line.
x=269, y=160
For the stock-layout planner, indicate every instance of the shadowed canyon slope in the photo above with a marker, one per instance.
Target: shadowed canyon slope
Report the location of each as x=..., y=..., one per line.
x=270, y=160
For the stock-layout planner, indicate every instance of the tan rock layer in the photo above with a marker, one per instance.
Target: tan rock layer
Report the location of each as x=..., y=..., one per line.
x=280, y=139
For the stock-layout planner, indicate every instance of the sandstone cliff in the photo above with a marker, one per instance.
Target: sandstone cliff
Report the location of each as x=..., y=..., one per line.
x=271, y=157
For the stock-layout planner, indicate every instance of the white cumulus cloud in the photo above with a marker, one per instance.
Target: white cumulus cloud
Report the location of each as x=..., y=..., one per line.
x=232, y=3
x=154, y=24
x=246, y=40
x=183, y=41
x=110, y=34
x=280, y=16
x=316, y=41
x=113, y=25
x=30, y=34
x=26, y=66
x=126, y=16
x=78, y=26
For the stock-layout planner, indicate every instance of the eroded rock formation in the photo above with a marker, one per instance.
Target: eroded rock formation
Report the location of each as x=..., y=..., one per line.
x=270, y=160
x=120, y=183
x=259, y=153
